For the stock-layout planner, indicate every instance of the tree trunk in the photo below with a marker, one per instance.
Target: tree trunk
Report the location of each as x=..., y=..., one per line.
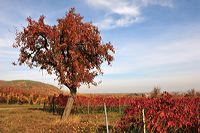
x=69, y=104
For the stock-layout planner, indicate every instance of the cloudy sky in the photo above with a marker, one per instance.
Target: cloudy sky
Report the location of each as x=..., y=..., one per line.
x=157, y=42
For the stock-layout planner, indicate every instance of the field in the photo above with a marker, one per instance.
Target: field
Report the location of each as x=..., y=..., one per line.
x=31, y=119
x=25, y=110
x=165, y=113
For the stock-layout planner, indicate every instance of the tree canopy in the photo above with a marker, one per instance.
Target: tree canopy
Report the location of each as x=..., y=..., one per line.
x=72, y=50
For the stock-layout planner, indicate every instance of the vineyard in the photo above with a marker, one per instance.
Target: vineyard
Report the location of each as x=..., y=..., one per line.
x=12, y=95
x=164, y=113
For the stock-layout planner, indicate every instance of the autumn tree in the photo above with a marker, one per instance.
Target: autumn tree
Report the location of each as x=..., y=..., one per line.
x=72, y=50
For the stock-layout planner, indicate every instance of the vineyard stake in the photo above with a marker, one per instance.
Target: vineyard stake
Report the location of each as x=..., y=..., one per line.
x=107, y=130
x=143, y=116
x=88, y=107
x=119, y=107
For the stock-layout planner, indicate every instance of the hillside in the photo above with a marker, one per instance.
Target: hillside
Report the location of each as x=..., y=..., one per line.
x=31, y=86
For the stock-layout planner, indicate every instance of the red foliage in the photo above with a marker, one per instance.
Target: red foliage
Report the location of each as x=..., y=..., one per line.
x=165, y=114
x=21, y=96
x=61, y=100
x=162, y=114
x=73, y=50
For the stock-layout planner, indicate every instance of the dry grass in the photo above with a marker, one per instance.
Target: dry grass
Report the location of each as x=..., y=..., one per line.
x=30, y=119
x=25, y=119
x=35, y=86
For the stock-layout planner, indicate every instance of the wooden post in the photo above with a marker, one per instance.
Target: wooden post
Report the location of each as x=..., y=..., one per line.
x=88, y=107
x=119, y=107
x=44, y=106
x=53, y=102
x=7, y=98
x=143, y=116
x=107, y=130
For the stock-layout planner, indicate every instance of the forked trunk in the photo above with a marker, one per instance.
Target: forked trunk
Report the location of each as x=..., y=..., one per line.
x=69, y=104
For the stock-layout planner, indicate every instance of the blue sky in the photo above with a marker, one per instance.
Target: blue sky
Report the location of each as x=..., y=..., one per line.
x=157, y=42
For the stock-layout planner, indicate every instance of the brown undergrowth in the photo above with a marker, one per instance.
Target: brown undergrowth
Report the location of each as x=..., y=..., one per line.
x=31, y=119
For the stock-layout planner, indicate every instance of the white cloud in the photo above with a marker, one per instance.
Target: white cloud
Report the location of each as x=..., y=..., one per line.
x=2, y=42
x=169, y=82
x=120, y=13
x=24, y=73
x=150, y=55
x=6, y=42
x=7, y=53
x=167, y=3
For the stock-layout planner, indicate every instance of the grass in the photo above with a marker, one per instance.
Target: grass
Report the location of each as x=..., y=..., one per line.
x=31, y=119
x=35, y=86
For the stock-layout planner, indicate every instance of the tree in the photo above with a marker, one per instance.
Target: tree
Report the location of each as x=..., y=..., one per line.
x=156, y=91
x=72, y=50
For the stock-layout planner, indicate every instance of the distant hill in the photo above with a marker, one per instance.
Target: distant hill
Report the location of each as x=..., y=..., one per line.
x=33, y=86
